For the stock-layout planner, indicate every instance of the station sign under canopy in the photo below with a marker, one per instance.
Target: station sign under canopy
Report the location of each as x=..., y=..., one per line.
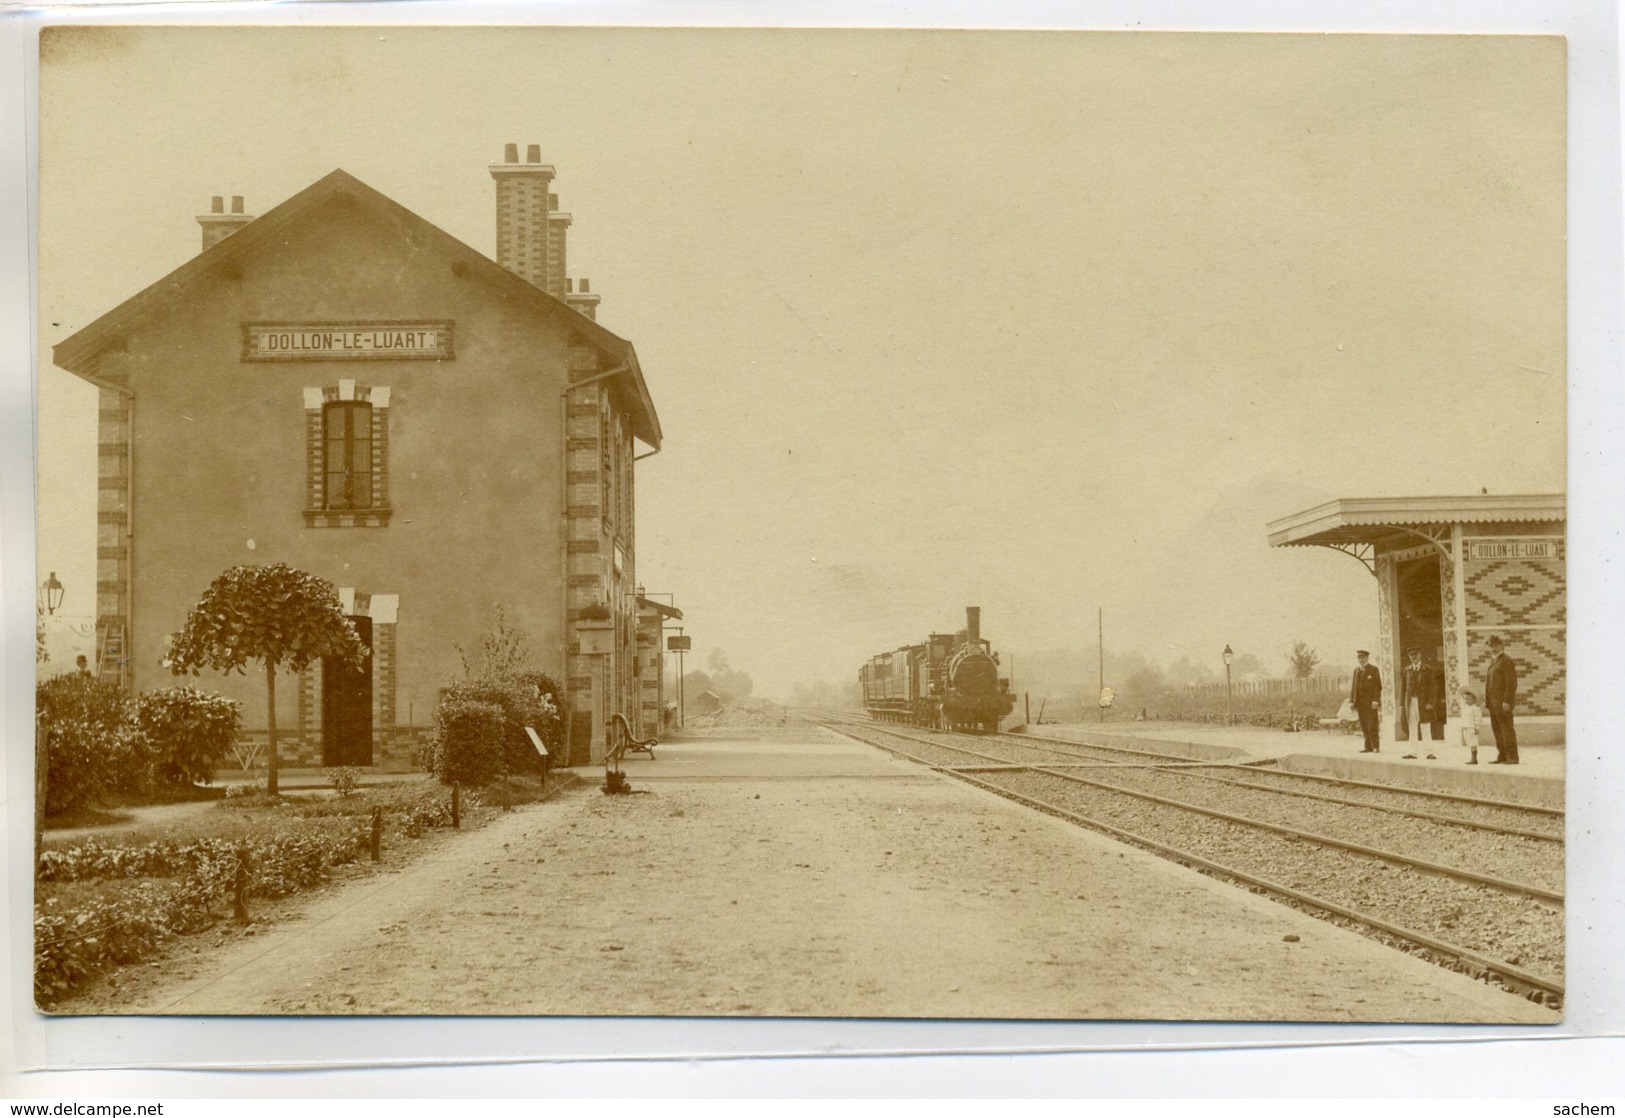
x=1526, y=548
x=346, y=341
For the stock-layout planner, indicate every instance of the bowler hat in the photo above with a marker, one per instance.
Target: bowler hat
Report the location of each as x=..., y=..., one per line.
x=1495, y=642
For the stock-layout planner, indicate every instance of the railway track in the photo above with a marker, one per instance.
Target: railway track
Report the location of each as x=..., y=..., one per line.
x=1544, y=824
x=1504, y=929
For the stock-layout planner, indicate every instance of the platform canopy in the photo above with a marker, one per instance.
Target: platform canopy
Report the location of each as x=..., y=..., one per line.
x=669, y=613
x=1357, y=525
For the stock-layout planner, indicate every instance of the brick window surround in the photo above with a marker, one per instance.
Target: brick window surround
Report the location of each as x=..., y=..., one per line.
x=316, y=399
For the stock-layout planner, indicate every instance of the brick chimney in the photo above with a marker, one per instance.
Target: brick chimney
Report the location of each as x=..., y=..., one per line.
x=218, y=224
x=558, y=230
x=581, y=298
x=524, y=207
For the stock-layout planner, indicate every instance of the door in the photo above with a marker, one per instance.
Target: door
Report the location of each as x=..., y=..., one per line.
x=1421, y=626
x=347, y=706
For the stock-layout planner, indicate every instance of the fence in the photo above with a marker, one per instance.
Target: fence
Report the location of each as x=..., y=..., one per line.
x=1285, y=688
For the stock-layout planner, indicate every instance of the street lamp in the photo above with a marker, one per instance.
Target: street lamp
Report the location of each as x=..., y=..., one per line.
x=52, y=593
x=1229, y=696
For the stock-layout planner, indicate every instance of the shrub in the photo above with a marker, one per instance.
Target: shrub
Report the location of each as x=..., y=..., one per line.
x=186, y=733
x=345, y=780
x=468, y=746
x=550, y=722
x=520, y=704
x=89, y=741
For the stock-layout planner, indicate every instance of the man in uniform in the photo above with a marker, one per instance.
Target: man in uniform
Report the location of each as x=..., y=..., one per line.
x=1500, y=696
x=1365, y=696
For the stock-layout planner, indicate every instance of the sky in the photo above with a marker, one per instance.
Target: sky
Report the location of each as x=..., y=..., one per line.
x=1045, y=322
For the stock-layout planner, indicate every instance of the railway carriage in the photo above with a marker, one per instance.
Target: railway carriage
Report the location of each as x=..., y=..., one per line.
x=950, y=681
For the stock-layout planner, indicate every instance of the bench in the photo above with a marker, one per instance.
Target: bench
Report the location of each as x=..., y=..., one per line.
x=623, y=742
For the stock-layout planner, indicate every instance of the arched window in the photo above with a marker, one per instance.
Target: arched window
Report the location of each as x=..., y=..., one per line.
x=347, y=455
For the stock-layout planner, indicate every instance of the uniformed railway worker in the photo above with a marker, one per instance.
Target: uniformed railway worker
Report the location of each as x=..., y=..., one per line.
x=1365, y=696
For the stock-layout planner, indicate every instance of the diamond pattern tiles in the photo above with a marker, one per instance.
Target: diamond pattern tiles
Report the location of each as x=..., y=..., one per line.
x=1452, y=649
x=1516, y=592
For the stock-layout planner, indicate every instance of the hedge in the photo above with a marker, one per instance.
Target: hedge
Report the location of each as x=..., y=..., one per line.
x=91, y=744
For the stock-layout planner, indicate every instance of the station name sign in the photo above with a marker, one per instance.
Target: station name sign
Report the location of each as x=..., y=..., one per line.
x=346, y=341
x=1511, y=549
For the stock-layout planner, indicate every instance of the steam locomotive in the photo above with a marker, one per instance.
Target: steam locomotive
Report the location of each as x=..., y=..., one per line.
x=949, y=682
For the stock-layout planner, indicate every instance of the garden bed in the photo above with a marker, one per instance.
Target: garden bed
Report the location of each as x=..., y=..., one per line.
x=108, y=902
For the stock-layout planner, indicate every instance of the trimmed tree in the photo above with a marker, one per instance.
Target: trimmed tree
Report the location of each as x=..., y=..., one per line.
x=282, y=617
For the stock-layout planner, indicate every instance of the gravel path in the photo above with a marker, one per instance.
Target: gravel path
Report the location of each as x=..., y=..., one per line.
x=802, y=877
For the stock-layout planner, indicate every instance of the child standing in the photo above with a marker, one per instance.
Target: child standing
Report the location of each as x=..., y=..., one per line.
x=1472, y=717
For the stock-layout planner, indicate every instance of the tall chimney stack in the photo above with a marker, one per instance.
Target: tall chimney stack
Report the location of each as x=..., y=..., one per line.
x=973, y=623
x=582, y=299
x=523, y=212
x=218, y=224
x=558, y=228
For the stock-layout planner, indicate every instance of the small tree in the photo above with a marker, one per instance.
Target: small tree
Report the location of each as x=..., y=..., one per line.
x=278, y=615
x=1303, y=660
x=503, y=650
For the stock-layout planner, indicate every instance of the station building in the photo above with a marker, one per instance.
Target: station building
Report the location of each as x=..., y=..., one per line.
x=1450, y=573
x=341, y=386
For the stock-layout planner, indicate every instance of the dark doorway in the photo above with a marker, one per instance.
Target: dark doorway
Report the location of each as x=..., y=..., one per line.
x=1421, y=626
x=347, y=706
x=1421, y=610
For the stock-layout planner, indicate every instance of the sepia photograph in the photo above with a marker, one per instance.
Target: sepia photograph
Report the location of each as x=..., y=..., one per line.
x=801, y=523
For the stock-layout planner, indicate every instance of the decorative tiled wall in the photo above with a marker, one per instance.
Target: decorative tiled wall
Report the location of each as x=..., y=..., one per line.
x=1452, y=643
x=1524, y=600
x=1383, y=652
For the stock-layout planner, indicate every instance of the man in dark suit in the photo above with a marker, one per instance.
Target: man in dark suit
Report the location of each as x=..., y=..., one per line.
x=1365, y=696
x=1500, y=696
x=1421, y=694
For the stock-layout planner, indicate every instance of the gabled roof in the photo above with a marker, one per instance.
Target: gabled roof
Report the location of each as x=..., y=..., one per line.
x=1359, y=520
x=77, y=353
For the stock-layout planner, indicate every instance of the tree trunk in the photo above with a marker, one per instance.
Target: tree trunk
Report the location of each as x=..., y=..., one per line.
x=270, y=728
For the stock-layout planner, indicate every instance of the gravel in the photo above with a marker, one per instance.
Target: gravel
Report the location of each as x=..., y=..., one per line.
x=1518, y=930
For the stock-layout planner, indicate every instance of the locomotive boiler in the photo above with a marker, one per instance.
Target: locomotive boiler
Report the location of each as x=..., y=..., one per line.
x=950, y=681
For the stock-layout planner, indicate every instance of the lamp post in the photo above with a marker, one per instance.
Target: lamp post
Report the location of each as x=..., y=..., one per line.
x=1229, y=697
x=51, y=594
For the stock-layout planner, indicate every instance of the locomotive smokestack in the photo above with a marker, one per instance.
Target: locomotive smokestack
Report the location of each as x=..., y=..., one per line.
x=973, y=623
